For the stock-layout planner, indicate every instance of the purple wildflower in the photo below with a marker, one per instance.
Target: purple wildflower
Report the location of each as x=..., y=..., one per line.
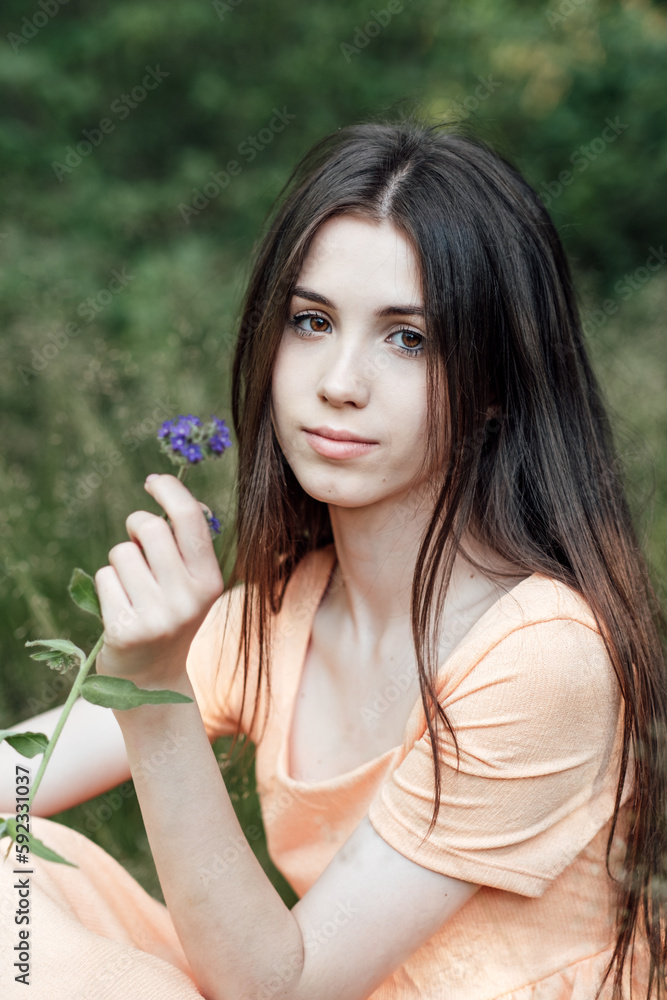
x=221, y=439
x=221, y=426
x=186, y=440
x=179, y=442
x=217, y=444
x=213, y=522
x=182, y=426
x=193, y=453
x=221, y=436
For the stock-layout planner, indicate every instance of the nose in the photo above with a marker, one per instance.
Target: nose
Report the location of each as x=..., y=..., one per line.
x=345, y=376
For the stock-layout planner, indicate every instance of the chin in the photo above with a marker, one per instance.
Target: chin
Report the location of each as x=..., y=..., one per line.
x=337, y=495
x=340, y=498
x=331, y=488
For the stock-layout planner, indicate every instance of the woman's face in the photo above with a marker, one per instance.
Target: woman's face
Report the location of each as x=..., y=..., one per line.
x=352, y=361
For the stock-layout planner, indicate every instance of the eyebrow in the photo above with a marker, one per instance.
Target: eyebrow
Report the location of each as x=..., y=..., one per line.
x=311, y=296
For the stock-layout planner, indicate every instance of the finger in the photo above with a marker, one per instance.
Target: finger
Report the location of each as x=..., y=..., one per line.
x=189, y=525
x=133, y=573
x=115, y=605
x=158, y=546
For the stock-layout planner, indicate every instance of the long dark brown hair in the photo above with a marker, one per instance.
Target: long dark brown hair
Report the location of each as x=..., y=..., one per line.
x=539, y=481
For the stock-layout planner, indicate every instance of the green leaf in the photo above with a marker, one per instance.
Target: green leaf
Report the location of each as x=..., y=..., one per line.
x=119, y=693
x=3, y=828
x=36, y=847
x=58, y=652
x=27, y=744
x=82, y=591
x=47, y=654
x=42, y=851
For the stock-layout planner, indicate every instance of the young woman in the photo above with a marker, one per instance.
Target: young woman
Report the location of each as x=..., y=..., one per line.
x=433, y=551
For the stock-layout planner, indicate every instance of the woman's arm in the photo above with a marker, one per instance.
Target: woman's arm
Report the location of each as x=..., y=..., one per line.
x=234, y=929
x=240, y=939
x=89, y=758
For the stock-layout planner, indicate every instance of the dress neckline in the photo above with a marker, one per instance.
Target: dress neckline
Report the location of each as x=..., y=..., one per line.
x=319, y=590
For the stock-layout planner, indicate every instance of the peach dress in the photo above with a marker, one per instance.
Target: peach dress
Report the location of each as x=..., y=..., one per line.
x=534, y=701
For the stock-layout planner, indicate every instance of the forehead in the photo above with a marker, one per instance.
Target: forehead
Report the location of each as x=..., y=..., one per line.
x=353, y=250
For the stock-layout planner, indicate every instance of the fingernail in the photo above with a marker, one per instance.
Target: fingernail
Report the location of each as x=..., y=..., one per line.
x=153, y=475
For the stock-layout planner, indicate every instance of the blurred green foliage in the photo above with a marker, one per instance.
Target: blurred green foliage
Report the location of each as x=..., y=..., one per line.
x=122, y=272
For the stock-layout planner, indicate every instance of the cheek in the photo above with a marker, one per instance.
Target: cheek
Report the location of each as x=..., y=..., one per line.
x=405, y=405
x=409, y=431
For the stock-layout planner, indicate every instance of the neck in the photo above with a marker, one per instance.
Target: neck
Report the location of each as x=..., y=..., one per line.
x=371, y=585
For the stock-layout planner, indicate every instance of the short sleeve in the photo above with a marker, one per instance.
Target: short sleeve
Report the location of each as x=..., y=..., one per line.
x=211, y=665
x=537, y=719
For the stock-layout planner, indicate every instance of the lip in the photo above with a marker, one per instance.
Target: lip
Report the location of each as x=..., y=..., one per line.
x=338, y=447
x=334, y=435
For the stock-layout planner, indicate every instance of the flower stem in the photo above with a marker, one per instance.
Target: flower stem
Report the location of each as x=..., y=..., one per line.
x=67, y=708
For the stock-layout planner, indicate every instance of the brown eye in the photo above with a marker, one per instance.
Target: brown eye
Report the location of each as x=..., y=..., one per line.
x=410, y=343
x=316, y=324
x=410, y=338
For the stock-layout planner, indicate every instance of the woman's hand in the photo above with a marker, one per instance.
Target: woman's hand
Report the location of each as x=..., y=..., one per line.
x=158, y=589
